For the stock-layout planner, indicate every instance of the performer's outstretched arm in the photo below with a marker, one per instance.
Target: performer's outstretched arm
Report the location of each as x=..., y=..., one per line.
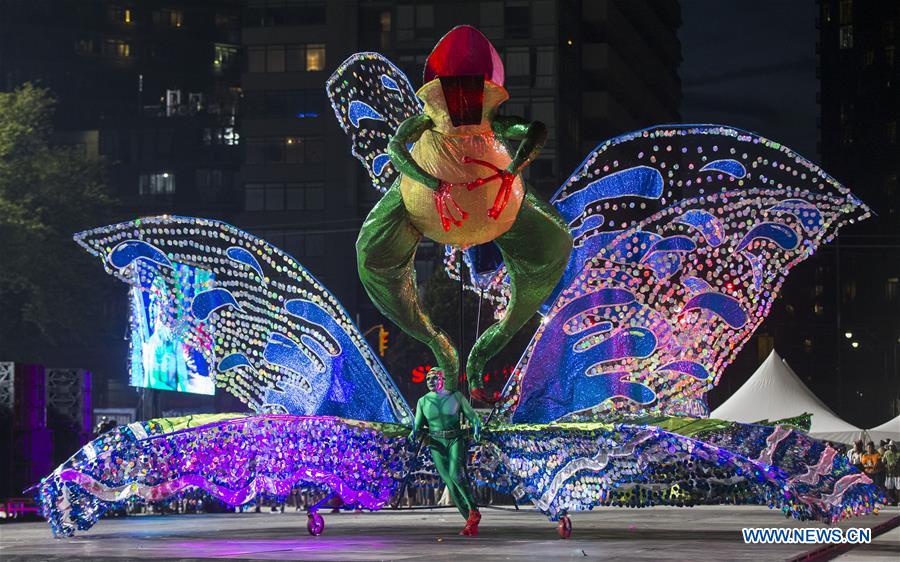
x=470, y=415
x=410, y=131
x=420, y=420
x=532, y=134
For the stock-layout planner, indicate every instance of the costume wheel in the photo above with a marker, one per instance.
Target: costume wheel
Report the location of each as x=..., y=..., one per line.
x=315, y=524
x=564, y=527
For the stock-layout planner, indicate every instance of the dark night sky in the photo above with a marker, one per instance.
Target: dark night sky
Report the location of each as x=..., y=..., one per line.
x=752, y=64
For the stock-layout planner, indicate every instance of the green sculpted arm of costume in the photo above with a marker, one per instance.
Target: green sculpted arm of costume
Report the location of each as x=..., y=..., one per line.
x=531, y=134
x=410, y=131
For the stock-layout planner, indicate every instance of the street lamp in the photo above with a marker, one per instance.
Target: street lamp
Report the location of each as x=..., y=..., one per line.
x=855, y=344
x=848, y=335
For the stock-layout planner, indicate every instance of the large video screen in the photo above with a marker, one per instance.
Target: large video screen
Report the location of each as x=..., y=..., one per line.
x=170, y=349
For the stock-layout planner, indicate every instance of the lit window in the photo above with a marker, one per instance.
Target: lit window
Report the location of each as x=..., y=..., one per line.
x=170, y=18
x=116, y=48
x=846, y=37
x=162, y=183
x=118, y=14
x=224, y=55
x=315, y=57
x=891, y=289
x=227, y=136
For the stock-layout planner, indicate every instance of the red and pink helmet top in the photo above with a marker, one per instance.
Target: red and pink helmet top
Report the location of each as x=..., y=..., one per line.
x=464, y=51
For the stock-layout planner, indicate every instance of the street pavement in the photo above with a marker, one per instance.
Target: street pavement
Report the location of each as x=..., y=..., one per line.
x=662, y=533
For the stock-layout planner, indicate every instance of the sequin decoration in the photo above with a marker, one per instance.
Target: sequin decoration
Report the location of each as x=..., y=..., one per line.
x=678, y=461
x=371, y=97
x=234, y=460
x=701, y=224
x=558, y=467
x=259, y=293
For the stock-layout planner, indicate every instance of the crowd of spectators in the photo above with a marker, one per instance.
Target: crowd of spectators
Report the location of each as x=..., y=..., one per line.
x=880, y=464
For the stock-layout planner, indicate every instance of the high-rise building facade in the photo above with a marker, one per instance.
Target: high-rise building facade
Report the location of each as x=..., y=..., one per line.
x=588, y=69
x=839, y=319
x=218, y=109
x=152, y=86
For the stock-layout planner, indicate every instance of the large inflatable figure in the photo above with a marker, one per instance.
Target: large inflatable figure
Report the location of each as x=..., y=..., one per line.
x=442, y=192
x=652, y=266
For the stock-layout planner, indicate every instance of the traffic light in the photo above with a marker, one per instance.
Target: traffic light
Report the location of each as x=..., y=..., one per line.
x=382, y=340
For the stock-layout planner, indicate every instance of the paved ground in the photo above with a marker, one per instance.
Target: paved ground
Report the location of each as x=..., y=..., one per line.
x=884, y=548
x=701, y=533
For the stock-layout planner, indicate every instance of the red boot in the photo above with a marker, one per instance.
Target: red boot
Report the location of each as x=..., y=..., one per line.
x=471, y=528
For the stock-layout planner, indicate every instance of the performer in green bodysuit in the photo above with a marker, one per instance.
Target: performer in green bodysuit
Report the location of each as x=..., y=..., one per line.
x=440, y=410
x=460, y=184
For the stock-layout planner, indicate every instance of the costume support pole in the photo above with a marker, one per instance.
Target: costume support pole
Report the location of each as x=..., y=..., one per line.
x=462, y=336
x=478, y=316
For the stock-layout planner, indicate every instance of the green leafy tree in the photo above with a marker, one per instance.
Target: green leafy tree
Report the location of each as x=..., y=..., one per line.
x=50, y=291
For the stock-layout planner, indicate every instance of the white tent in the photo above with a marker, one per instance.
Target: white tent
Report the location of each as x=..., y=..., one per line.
x=775, y=392
x=888, y=430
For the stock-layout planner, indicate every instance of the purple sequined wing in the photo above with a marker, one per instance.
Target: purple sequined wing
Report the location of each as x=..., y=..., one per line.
x=233, y=460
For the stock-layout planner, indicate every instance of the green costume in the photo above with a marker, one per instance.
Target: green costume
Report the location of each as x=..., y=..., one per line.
x=460, y=184
x=440, y=410
x=442, y=194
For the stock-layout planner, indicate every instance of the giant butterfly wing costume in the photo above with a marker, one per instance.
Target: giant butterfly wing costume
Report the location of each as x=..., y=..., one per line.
x=682, y=238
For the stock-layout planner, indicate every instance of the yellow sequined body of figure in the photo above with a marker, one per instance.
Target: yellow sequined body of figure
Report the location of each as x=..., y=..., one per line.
x=441, y=151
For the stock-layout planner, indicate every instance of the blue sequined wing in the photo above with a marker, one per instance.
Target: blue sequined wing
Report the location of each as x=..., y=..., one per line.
x=267, y=331
x=683, y=237
x=371, y=97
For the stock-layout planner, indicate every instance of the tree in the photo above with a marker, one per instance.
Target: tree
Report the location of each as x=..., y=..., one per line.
x=50, y=290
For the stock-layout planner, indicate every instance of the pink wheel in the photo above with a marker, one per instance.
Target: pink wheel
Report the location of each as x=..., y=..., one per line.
x=564, y=527
x=315, y=524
